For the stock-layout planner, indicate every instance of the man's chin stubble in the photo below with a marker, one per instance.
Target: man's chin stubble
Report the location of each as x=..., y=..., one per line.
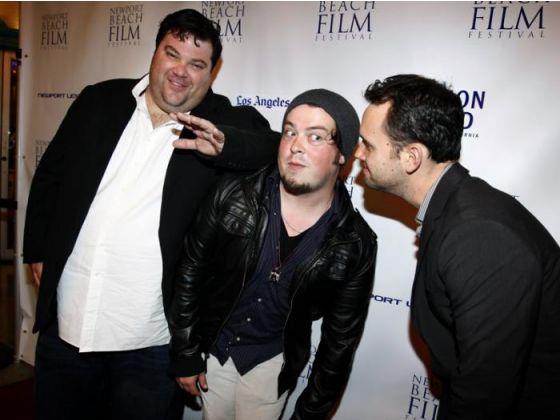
x=294, y=188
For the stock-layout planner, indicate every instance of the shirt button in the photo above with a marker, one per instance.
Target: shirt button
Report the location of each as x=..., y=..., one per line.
x=249, y=319
x=259, y=300
x=238, y=339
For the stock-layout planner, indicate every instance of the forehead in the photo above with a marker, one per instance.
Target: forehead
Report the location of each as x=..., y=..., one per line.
x=200, y=50
x=375, y=116
x=304, y=116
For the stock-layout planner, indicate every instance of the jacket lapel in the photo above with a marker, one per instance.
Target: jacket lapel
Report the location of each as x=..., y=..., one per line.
x=445, y=189
x=116, y=117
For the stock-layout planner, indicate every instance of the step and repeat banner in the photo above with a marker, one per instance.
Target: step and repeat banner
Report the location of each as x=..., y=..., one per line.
x=502, y=58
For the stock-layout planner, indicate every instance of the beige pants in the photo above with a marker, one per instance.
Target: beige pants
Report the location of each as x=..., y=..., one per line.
x=253, y=396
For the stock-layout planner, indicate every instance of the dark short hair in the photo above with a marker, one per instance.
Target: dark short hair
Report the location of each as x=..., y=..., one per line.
x=190, y=22
x=422, y=110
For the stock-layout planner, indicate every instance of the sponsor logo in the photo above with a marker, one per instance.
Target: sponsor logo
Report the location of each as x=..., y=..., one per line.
x=507, y=20
x=54, y=31
x=393, y=301
x=40, y=147
x=229, y=15
x=473, y=102
x=125, y=23
x=344, y=21
x=263, y=101
x=422, y=405
x=57, y=95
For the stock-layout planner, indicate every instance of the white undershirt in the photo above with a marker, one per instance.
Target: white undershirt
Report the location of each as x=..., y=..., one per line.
x=109, y=295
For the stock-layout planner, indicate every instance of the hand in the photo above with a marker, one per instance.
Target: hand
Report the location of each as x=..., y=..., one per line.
x=209, y=140
x=189, y=384
x=37, y=271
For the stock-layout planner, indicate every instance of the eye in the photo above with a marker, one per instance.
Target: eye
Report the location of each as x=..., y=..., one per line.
x=315, y=138
x=198, y=66
x=171, y=54
x=289, y=133
x=368, y=146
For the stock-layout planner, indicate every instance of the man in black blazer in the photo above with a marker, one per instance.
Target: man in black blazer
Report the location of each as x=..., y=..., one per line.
x=486, y=296
x=109, y=177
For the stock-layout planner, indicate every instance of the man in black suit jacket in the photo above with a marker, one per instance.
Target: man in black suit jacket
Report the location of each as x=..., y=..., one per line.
x=486, y=296
x=114, y=366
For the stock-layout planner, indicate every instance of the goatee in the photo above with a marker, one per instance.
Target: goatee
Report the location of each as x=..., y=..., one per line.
x=293, y=187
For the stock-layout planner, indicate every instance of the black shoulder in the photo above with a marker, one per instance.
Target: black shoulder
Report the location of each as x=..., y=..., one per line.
x=362, y=228
x=240, y=187
x=219, y=100
x=114, y=88
x=115, y=84
x=108, y=95
x=228, y=185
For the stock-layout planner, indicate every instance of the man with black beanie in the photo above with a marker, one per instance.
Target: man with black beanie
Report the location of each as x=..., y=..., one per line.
x=269, y=254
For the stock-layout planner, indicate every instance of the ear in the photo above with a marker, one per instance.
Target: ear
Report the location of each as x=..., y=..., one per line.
x=413, y=155
x=341, y=159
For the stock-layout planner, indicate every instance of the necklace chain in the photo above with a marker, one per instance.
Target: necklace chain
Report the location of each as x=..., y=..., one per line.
x=290, y=226
x=300, y=231
x=277, y=270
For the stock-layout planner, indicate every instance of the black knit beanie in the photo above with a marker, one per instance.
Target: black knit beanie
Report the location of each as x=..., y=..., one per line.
x=341, y=111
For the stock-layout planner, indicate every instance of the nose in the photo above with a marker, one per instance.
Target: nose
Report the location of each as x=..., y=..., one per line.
x=298, y=143
x=180, y=70
x=359, y=153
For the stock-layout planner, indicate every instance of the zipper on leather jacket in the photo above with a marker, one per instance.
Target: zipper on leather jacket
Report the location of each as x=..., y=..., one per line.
x=301, y=278
x=231, y=309
x=250, y=255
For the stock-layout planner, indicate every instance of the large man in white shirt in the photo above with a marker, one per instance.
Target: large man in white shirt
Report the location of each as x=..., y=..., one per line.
x=109, y=205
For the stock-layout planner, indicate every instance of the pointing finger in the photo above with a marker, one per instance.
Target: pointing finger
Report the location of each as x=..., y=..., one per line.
x=186, y=144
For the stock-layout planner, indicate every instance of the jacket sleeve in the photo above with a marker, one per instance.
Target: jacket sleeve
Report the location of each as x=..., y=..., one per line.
x=194, y=269
x=493, y=281
x=250, y=143
x=46, y=182
x=341, y=331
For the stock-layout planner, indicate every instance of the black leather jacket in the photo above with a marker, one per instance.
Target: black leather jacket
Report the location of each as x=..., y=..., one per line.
x=335, y=284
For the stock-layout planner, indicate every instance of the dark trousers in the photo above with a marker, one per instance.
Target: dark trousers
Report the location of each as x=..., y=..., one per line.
x=103, y=385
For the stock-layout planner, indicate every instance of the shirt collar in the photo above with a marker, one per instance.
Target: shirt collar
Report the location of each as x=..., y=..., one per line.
x=139, y=93
x=421, y=215
x=140, y=88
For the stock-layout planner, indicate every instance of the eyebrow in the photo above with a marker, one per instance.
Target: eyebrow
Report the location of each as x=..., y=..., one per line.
x=199, y=61
x=169, y=48
x=318, y=127
x=366, y=141
x=315, y=127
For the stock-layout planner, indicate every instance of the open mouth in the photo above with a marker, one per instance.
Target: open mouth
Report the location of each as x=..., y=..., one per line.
x=177, y=84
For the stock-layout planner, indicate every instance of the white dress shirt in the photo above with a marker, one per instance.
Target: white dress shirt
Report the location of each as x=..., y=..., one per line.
x=109, y=295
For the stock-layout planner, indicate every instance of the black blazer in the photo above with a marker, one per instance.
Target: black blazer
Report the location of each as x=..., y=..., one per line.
x=71, y=169
x=486, y=299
